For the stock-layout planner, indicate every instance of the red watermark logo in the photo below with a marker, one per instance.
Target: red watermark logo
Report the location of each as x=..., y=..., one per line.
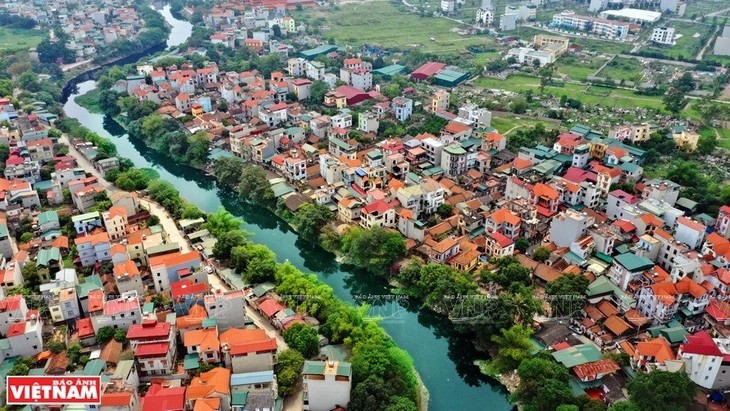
x=53, y=390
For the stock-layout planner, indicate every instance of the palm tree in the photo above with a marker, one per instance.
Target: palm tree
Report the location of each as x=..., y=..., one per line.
x=524, y=304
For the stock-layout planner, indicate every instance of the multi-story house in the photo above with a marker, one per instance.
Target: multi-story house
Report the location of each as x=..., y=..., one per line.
x=24, y=339
x=226, y=307
x=115, y=222
x=94, y=248
x=600, y=27
x=545, y=198
x=40, y=150
x=204, y=343
x=295, y=169
x=402, y=108
x=722, y=224
x=705, y=360
x=503, y=221
x=690, y=232
x=169, y=268
x=453, y=160
x=661, y=301
x=652, y=355
x=568, y=227
x=617, y=202
x=248, y=350
x=154, y=346
x=128, y=277
x=661, y=190
x=13, y=309
x=326, y=384
x=378, y=214
x=349, y=209
x=212, y=387
x=628, y=267
x=439, y=101
x=118, y=313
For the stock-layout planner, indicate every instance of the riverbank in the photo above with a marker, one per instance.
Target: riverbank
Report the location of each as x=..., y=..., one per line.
x=443, y=358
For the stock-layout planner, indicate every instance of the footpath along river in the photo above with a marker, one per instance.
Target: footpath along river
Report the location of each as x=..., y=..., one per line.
x=442, y=357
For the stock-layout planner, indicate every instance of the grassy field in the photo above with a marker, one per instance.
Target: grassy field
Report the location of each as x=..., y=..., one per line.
x=588, y=95
x=484, y=58
x=504, y=124
x=687, y=46
x=577, y=68
x=622, y=68
x=18, y=39
x=381, y=23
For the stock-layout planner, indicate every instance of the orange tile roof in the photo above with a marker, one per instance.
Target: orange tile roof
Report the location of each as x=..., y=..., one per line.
x=195, y=317
x=128, y=267
x=690, y=223
x=95, y=239
x=174, y=259
x=505, y=215
x=659, y=348
x=616, y=325
x=544, y=190
x=116, y=399
x=117, y=211
x=595, y=368
x=215, y=381
x=521, y=164
x=206, y=339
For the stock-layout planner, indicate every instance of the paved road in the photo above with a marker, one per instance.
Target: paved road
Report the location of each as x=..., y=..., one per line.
x=155, y=209
x=704, y=49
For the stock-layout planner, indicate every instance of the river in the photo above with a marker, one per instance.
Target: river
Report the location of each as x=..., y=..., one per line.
x=442, y=357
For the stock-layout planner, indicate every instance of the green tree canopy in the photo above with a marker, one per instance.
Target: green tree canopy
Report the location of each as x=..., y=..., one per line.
x=373, y=249
x=288, y=368
x=662, y=390
x=254, y=186
x=310, y=219
x=302, y=338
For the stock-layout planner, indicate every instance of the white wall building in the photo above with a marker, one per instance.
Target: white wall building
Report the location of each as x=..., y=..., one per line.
x=326, y=384
x=663, y=35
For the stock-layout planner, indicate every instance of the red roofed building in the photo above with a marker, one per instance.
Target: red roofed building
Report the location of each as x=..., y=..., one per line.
x=595, y=370
x=427, y=71
x=127, y=275
x=545, y=198
x=499, y=245
x=353, y=96
x=168, y=399
x=661, y=301
x=166, y=269
x=652, y=354
x=86, y=331
x=722, y=224
x=12, y=310
x=248, y=350
x=378, y=214
x=504, y=221
x=185, y=293
x=707, y=360
x=269, y=307
x=122, y=312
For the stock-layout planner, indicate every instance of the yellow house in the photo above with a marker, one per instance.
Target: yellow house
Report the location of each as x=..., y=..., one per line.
x=684, y=139
x=289, y=25
x=197, y=110
x=333, y=98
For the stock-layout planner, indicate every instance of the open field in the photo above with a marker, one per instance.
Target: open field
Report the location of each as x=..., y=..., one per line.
x=702, y=7
x=622, y=68
x=18, y=39
x=504, y=124
x=687, y=46
x=600, y=46
x=381, y=23
x=578, y=68
x=588, y=95
x=90, y=101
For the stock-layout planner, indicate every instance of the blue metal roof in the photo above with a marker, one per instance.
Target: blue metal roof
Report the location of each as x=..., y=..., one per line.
x=257, y=377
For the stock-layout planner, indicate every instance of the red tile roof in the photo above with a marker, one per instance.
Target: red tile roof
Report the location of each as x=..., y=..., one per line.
x=157, y=349
x=121, y=305
x=116, y=399
x=187, y=287
x=253, y=346
x=11, y=303
x=595, y=368
x=690, y=223
x=701, y=343
x=659, y=348
x=84, y=327
x=427, y=70
x=169, y=399
x=16, y=329
x=148, y=330
x=270, y=307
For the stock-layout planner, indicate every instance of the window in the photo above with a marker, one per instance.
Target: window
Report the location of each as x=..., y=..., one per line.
x=35, y=347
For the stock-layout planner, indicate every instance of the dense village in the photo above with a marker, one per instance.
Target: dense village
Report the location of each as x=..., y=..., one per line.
x=558, y=236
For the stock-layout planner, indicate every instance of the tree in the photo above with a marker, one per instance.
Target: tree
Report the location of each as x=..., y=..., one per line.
x=221, y=222
x=228, y=241
x=513, y=346
x=276, y=30
x=166, y=194
x=566, y=294
x=543, y=384
x=373, y=249
x=311, y=218
x=120, y=335
x=254, y=186
x=227, y=171
x=445, y=210
x=56, y=346
x=302, y=338
x=317, y=91
x=674, y=101
x=21, y=366
x=255, y=262
x=191, y=211
x=288, y=368
x=541, y=254
x=105, y=334
x=624, y=406
x=707, y=144
x=522, y=244
x=661, y=390
x=30, y=275
x=29, y=81
x=26, y=237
